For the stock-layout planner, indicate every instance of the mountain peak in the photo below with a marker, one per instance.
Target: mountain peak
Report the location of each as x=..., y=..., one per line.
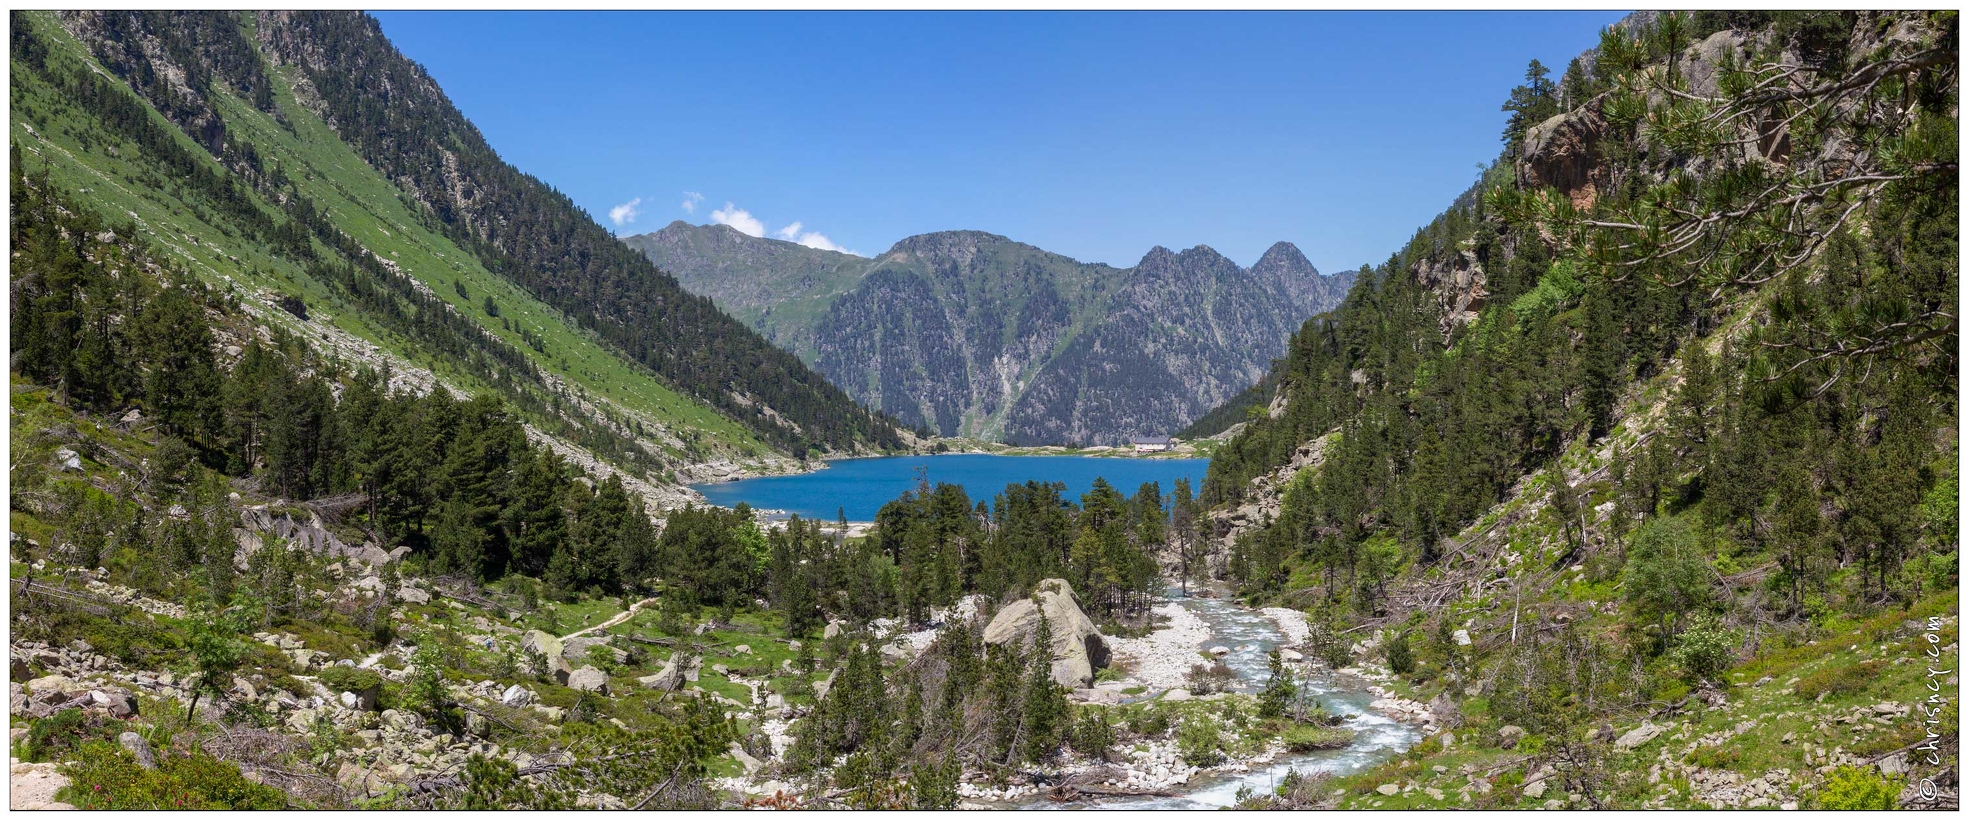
x=1285, y=259
x=1204, y=252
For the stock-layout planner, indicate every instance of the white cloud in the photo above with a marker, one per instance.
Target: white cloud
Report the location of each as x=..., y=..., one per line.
x=740, y=219
x=691, y=199
x=796, y=231
x=626, y=212
x=814, y=239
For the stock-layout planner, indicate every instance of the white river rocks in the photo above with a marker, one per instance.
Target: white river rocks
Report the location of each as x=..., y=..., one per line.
x=1162, y=659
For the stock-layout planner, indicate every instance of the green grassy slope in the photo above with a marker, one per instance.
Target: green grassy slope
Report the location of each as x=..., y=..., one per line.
x=588, y=387
x=777, y=288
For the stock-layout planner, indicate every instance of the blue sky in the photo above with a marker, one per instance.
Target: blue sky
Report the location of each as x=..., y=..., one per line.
x=1095, y=135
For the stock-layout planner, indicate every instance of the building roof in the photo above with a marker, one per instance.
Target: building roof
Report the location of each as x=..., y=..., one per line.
x=1149, y=440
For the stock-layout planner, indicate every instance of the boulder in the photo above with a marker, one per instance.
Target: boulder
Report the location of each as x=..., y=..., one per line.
x=1078, y=647
x=1445, y=711
x=516, y=696
x=1177, y=694
x=403, y=720
x=666, y=680
x=745, y=759
x=1638, y=736
x=1290, y=654
x=1509, y=735
x=1220, y=651
x=117, y=703
x=579, y=648
x=541, y=643
x=50, y=684
x=1094, y=695
x=588, y=679
x=139, y=748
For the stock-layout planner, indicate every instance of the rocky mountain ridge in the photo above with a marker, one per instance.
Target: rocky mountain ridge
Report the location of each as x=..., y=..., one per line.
x=968, y=333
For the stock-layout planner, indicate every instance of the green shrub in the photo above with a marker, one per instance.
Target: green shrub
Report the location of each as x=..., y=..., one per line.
x=933, y=784
x=1092, y=735
x=1838, y=681
x=1327, y=645
x=1667, y=575
x=1210, y=677
x=1705, y=650
x=48, y=737
x=1716, y=757
x=1856, y=788
x=1200, y=741
x=1401, y=659
x=1508, y=788
x=1301, y=738
x=1151, y=722
x=1555, y=289
x=350, y=679
x=105, y=776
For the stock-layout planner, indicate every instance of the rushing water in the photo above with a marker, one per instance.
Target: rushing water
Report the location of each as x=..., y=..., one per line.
x=860, y=487
x=1251, y=635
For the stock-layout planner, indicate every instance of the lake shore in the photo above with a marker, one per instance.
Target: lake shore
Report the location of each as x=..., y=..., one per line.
x=857, y=488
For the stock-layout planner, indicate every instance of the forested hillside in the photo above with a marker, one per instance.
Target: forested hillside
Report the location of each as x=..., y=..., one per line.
x=302, y=156
x=1672, y=391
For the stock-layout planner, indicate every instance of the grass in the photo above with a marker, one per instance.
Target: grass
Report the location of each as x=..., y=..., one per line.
x=1301, y=738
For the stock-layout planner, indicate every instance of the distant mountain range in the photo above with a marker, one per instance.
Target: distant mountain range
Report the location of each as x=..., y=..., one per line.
x=967, y=333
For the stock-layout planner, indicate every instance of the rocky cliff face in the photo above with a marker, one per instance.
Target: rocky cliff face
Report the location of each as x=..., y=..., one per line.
x=972, y=334
x=1182, y=334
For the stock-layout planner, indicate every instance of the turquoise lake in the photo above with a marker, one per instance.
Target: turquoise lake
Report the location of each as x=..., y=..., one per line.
x=863, y=486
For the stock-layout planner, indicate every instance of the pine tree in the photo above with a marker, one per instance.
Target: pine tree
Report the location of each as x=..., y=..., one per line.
x=1281, y=687
x=1530, y=104
x=1044, y=701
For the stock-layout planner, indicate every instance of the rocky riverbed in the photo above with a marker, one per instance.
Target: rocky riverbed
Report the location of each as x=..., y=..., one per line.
x=1161, y=659
x=1244, y=638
